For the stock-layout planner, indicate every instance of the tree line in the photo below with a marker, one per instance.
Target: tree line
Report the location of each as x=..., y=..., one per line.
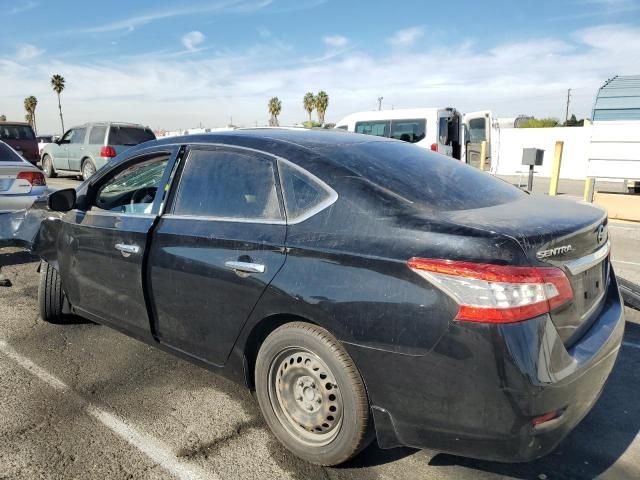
x=310, y=102
x=31, y=102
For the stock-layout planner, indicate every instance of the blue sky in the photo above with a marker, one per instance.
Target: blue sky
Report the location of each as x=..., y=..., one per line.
x=177, y=64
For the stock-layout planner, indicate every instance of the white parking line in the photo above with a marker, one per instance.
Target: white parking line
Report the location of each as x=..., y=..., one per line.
x=631, y=344
x=626, y=262
x=148, y=445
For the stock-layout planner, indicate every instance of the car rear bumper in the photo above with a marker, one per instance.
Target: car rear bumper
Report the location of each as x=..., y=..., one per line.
x=478, y=390
x=12, y=203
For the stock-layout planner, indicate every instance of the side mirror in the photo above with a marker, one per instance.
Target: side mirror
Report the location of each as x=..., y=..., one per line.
x=62, y=200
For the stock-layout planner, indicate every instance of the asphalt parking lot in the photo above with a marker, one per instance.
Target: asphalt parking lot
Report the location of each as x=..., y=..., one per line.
x=83, y=401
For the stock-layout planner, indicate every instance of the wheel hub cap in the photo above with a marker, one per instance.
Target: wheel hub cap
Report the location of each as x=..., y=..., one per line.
x=305, y=396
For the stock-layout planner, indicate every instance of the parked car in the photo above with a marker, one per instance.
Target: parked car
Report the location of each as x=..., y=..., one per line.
x=360, y=285
x=20, y=181
x=43, y=141
x=21, y=138
x=84, y=149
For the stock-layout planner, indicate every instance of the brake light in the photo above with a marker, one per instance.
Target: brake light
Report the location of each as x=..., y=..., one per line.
x=434, y=147
x=36, y=179
x=108, y=152
x=496, y=293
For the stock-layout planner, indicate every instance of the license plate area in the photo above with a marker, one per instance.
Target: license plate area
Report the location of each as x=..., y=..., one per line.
x=589, y=288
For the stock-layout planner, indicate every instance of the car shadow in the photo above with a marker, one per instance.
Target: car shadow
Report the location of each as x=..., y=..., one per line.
x=597, y=442
x=19, y=257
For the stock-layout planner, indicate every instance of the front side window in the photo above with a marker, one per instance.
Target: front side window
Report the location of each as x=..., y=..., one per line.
x=303, y=195
x=134, y=189
x=477, y=130
x=379, y=128
x=227, y=184
x=411, y=131
x=96, y=137
x=443, y=131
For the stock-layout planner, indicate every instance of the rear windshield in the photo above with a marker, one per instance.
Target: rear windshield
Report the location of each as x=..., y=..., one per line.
x=16, y=132
x=8, y=155
x=423, y=178
x=129, y=135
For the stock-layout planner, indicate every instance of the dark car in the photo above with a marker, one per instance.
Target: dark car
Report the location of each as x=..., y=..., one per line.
x=20, y=137
x=362, y=286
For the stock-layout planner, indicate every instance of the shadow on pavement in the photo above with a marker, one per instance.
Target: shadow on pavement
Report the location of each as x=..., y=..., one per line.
x=598, y=441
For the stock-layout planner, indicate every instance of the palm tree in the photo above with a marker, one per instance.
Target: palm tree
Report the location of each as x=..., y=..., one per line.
x=3, y=118
x=309, y=103
x=322, y=103
x=275, y=107
x=57, y=83
x=30, y=104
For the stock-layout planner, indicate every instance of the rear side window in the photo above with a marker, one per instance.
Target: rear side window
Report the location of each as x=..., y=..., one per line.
x=379, y=128
x=411, y=131
x=303, y=194
x=96, y=137
x=121, y=135
x=78, y=135
x=420, y=178
x=228, y=185
x=16, y=132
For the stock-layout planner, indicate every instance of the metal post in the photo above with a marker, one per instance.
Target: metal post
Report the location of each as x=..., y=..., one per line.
x=555, y=169
x=483, y=154
x=530, y=180
x=589, y=187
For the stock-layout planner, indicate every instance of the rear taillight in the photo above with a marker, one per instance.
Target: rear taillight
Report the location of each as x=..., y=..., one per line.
x=108, y=152
x=36, y=179
x=434, y=147
x=495, y=293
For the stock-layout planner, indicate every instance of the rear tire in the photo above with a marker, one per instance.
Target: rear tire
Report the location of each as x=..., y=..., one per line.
x=87, y=168
x=312, y=395
x=51, y=296
x=48, y=168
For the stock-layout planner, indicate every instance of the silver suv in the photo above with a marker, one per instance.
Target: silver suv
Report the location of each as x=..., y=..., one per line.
x=84, y=149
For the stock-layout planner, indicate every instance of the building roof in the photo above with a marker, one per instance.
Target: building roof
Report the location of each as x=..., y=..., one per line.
x=618, y=99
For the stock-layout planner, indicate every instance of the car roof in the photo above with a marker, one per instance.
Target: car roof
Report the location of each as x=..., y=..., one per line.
x=124, y=124
x=301, y=137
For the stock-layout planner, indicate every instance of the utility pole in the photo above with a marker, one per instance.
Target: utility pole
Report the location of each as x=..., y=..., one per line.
x=566, y=116
x=380, y=103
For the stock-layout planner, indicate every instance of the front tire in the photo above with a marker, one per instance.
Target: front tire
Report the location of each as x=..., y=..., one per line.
x=48, y=168
x=51, y=296
x=312, y=395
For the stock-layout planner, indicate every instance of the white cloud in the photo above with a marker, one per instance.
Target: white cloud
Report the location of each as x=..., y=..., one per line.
x=335, y=41
x=264, y=32
x=192, y=39
x=22, y=7
x=406, y=37
x=530, y=77
x=28, y=52
x=131, y=23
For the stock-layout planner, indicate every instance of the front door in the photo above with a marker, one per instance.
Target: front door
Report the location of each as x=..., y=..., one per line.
x=102, y=249
x=216, y=250
x=60, y=151
x=77, y=148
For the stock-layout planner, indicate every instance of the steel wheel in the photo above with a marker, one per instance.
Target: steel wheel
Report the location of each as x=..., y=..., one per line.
x=88, y=169
x=305, y=396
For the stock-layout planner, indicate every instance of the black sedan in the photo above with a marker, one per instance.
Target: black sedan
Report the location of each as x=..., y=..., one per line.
x=363, y=287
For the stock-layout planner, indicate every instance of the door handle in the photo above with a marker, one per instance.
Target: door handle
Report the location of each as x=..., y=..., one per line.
x=245, y=267
x=127, y=250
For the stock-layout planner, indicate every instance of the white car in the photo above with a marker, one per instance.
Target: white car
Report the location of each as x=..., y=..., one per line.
x=20, y=182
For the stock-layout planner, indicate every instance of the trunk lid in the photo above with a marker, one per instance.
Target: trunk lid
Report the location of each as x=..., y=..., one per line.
x=570, y=235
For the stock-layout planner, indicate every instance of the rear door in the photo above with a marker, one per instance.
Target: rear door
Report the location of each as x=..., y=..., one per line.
x=216, y=250
x=102, y=248
x=478, y=129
